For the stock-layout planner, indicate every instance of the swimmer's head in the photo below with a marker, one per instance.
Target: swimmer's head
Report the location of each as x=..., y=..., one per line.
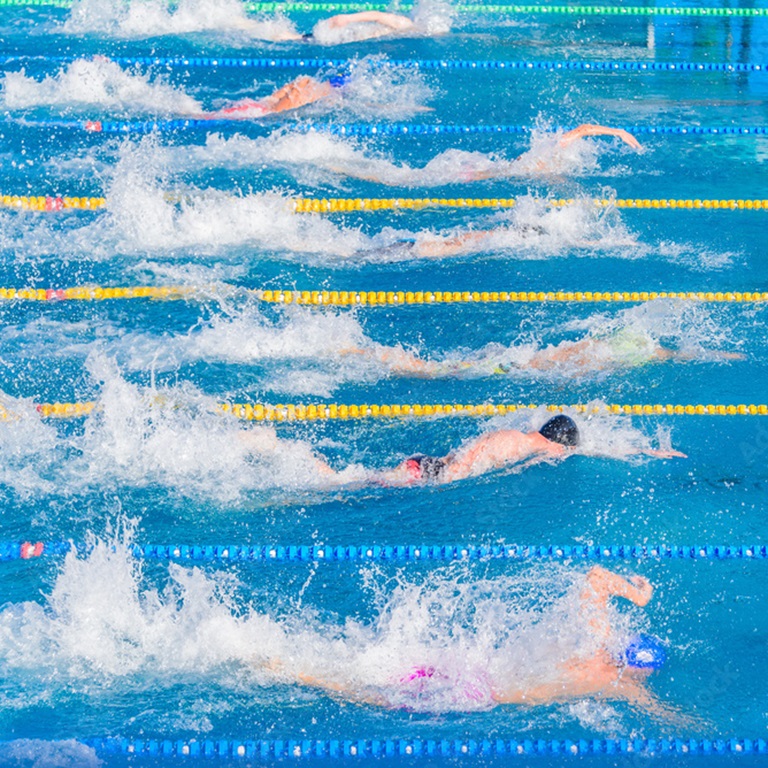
x=561, y=429
x=339, y=81
x=644, y=652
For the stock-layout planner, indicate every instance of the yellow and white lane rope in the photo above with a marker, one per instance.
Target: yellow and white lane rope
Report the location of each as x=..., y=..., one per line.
x=395, y=298
x=100, y=293
x=341, y=411
x=348, y=204
x=368, y=298
x=52, y=203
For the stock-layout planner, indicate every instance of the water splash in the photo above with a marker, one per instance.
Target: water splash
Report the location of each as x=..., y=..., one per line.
x=143, y=217
x=376, y=89
x=96, y=83
x=154, y=18
x=37, y=753
x=175, y=437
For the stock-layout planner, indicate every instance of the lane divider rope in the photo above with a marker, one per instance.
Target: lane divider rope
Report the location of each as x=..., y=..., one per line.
x=362, y=129
x=344, y=412
x=29, y=550
x=340, y=205
x=44, y=203
x=428, y=64
x=334, y=411
x=571, y=10
x=370, y=298
x=268, y=749
x=400, y=298
x=49, y=203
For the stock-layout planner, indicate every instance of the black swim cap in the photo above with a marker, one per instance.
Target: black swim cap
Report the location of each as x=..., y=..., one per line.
x=561, y=429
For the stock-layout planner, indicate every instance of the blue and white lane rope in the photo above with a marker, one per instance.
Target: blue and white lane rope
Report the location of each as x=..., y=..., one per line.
x=269, y=749
x=27, y=550
x=364, y=129
x=427, y=64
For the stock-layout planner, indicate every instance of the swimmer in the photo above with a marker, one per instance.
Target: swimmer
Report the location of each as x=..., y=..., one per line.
x=606, y=672
x=435, y=172
x=298, y=93
x=624, y=347
x=557, y=439
x=430, y=246
x=365, y=25
x=343, y=28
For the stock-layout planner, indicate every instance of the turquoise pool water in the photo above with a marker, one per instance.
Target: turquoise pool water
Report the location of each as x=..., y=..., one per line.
x=98, y=644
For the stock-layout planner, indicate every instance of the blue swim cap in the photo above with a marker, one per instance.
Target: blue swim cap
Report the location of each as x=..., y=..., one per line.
x=339, y=81
x=644, y=652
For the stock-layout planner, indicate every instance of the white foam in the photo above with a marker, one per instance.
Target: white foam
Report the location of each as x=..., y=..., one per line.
x=177, y=438
x=600, y=434
x=89, y=83
x=304, y=353
x=154, y=18
x=37, y=753
x=378, y=90
x=142, y=216
x=29, y=449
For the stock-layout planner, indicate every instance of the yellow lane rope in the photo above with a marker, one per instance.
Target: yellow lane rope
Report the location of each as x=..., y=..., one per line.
x=381, y=298
x=52, y=203
x=369, y=298
x=323, y=411
x=341, y=205
x=99, y=293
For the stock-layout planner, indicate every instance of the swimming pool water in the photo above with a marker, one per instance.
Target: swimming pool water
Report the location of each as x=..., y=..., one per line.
x=98, y=644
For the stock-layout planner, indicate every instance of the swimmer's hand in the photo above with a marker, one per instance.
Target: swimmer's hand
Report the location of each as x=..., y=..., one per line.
x=644, y=590
x=665, y=453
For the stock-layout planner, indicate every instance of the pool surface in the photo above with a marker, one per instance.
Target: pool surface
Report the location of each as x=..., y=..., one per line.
x=99, y=643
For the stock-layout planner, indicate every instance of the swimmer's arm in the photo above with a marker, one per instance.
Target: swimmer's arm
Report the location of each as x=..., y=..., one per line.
x=391, y=20
x=589, y=129
x=603, y=584
x=662, y=453
x=398, y=360
x=637, y=695
x=664, y=353
x=342, y=689
x=545, y=693
x=299, y=92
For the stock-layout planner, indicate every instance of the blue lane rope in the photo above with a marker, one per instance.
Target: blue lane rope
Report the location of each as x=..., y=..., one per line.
x=395, y=748
x=368, y=129
x=428, y=64
x=404, y=553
